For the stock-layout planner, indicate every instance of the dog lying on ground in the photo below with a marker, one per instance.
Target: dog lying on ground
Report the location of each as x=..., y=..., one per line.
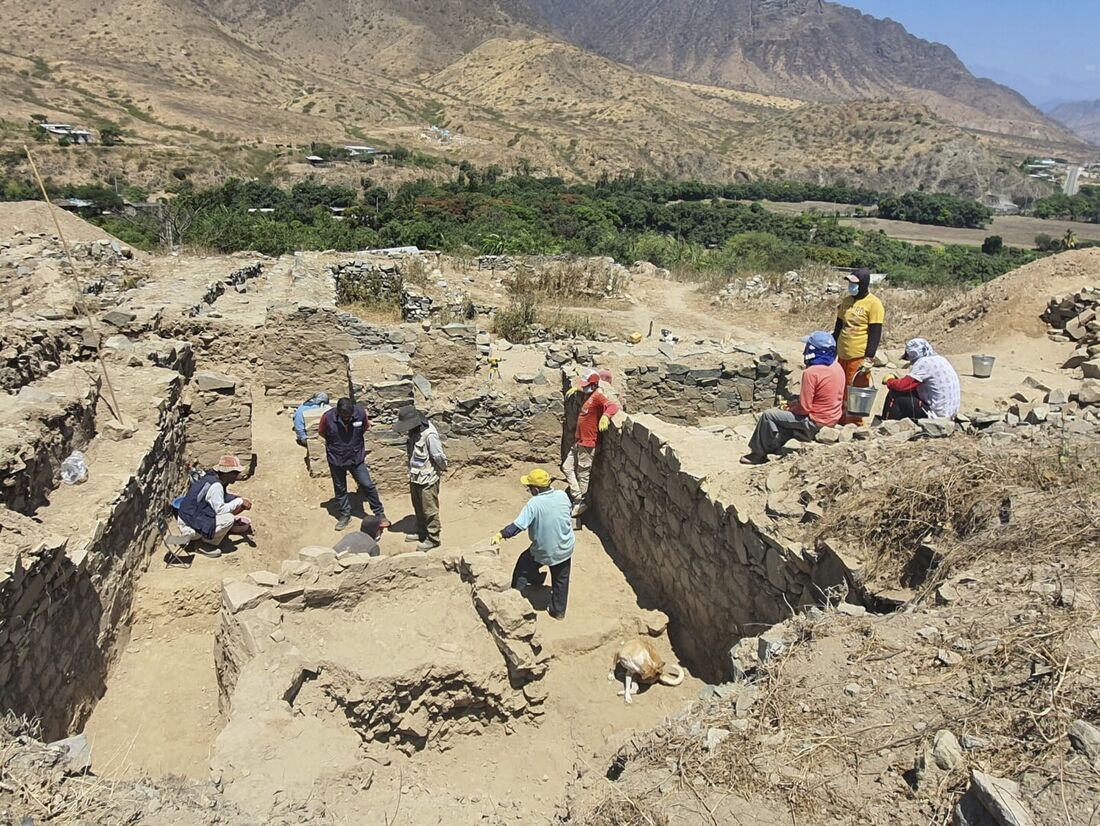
x=643, y=665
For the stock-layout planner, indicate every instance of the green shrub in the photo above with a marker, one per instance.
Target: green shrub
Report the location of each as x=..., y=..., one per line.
x=515, y=321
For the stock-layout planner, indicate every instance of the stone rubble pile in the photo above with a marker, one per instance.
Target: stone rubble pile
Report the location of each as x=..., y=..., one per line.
x=1076, y=318
x=756, y=286
x=600, y=277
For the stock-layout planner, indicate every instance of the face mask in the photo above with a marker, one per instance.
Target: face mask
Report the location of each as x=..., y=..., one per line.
x=853, y=289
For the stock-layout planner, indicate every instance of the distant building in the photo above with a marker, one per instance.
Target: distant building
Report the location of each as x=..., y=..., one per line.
x=315, y=160
x=357, y=151
x=73, y=204
x=65, y=130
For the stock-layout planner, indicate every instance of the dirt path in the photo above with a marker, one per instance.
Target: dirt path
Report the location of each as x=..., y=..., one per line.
x=160, y=713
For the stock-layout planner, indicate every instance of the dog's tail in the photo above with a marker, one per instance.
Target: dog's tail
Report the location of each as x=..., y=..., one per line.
x=672, y=675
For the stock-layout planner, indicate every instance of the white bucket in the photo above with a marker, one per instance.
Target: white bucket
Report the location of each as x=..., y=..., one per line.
x=861, y=400
x=983, y=366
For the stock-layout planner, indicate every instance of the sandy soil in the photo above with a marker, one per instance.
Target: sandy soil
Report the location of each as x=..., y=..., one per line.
x=33, y=217
x=1017, y=231
x=160, y=713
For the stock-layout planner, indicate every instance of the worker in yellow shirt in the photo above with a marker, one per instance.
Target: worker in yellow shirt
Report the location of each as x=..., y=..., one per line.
x=859, y=321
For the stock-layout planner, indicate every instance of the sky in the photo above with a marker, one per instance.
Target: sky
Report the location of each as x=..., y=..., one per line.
x=1049, y=50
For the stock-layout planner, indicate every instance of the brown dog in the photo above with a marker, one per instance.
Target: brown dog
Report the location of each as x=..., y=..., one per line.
x=642, y=665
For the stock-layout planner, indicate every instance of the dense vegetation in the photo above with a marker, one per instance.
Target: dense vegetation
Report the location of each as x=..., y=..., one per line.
x=938, y=209
x=682, y=226
x=1084, y=206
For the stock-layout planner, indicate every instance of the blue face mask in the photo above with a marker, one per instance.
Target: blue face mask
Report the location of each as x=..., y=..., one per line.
x=853, y=289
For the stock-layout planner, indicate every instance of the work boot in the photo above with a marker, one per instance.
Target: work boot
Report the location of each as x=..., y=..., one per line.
x=579, y=508
x=343, y=522
x=413, y=537
x=427, y=545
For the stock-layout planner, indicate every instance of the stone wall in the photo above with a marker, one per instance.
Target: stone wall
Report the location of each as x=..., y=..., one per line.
x=67, y=579
x=219, y=420
x=717, y=574
x=303, y=353
x=681, y=394
x=384, y=282
x=39, y=428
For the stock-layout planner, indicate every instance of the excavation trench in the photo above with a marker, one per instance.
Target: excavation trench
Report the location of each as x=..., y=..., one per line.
x=428, y=667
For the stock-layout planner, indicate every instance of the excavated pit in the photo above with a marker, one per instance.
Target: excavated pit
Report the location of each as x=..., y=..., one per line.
x=425, y=671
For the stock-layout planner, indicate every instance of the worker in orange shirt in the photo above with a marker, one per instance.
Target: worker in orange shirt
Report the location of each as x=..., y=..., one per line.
x=594, y=419
x=858, y=333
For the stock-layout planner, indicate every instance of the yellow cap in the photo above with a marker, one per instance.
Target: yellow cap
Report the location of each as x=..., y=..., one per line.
x=537, y=478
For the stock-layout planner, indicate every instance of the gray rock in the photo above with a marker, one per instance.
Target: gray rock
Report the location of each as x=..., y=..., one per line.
x=1085, y=739
x=1001, y=798
x=970, y=812
x=714, y=737
x=828, y=436
x=78, y=753
x=119, y=318
x=207, y=380
x=946, y=750
x=1089, y=394
x=937, y=428
x=1057, y=396
x=238, y=595
x=770, y=644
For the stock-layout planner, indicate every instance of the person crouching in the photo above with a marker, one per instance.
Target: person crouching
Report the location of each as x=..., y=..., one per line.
x=930, y=391
x=820, y=404
x=209, y=512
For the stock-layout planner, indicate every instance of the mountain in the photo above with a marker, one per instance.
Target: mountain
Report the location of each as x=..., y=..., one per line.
x=803, y=49
x=1083, y=117
x=209, y=88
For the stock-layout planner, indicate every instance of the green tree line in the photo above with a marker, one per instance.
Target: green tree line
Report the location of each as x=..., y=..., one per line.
x=678, y=225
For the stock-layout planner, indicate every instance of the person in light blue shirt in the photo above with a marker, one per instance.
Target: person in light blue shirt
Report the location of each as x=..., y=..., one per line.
x=549, y=524
x=312, y=403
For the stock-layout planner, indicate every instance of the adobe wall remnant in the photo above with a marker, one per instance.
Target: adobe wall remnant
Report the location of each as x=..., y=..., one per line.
x=219, y=421
x=303, y=352
x=716, y=572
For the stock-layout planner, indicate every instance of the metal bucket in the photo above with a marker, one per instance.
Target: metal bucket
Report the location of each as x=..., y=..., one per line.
x=861, y=400
x=983, y=366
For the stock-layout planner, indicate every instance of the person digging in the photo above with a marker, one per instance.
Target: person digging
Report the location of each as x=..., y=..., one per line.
x=426, y=461
x=210, y=513
x=344, y=429
x=549, y=525
x=594, y=419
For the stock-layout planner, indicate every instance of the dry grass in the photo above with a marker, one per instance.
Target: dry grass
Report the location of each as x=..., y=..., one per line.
x=1022, y=527
x=970, y=504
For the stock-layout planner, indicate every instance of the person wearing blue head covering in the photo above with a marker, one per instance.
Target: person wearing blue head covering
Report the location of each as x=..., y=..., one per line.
x=820, y=403
x=314, y=402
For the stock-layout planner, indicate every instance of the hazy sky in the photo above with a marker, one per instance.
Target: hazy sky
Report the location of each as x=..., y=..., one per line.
x=1046, y=49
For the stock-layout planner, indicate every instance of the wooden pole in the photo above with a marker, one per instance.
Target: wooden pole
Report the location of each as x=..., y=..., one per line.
x=116, y=411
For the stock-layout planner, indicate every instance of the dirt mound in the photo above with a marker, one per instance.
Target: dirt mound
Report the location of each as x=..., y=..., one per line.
x=33, y=217
x=1007, y=306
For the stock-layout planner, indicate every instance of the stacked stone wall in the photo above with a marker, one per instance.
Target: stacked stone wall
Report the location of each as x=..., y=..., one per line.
x=716, y=573
x=219, y=420
x=681, y=394
x=39, y=428
x=65, y=601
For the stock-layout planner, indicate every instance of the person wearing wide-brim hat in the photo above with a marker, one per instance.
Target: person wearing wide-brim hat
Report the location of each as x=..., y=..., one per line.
x=426, y=462
x=547, y=520
x=209, y=512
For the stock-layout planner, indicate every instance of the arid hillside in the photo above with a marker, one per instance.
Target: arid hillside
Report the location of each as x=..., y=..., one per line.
x=803, y=49
x=222, y=87
x=1083, y=117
